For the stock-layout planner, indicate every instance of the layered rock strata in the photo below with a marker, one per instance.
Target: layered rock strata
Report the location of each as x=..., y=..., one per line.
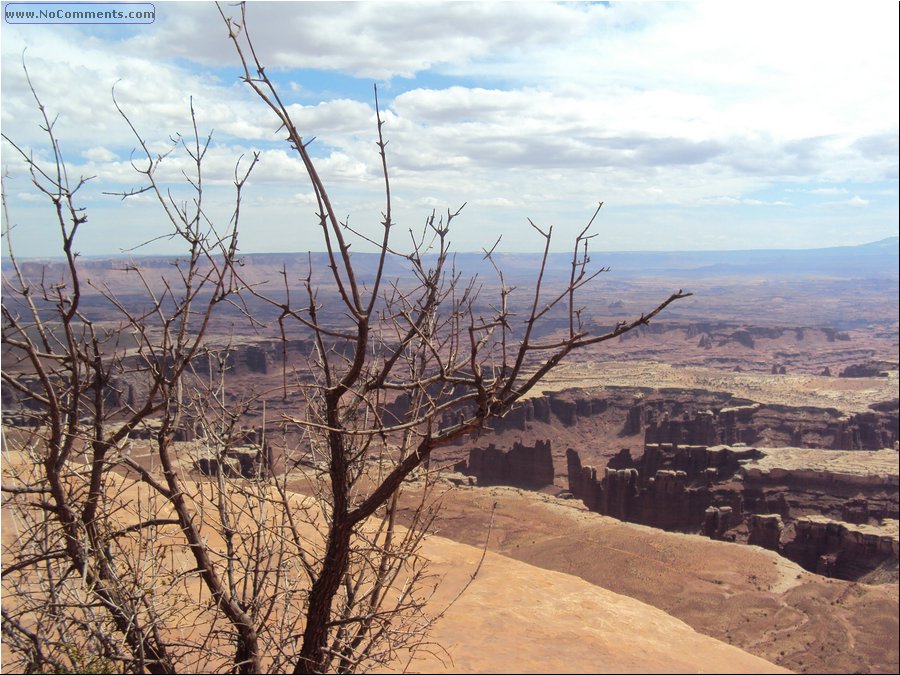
x=522, y=466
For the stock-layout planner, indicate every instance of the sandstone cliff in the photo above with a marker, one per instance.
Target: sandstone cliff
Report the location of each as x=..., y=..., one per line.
x=521, y=466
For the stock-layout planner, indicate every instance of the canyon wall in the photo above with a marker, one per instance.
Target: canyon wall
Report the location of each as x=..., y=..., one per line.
x=841, y=549
x=521, y=466
x=670, y=499
x=707, y=490
x=757, y=424
x=694, y=417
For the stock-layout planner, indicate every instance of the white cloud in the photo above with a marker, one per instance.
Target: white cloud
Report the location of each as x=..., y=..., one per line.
x=367, y=39
x=828, y=191
x=854, y=202
x=548, y=109
x=495, y=201
x=99, y=154
x=743, y=201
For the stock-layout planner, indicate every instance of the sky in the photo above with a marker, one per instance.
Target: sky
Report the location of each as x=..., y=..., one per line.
x=701, y=126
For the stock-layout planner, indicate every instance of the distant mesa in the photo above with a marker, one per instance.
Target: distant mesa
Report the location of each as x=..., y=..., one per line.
x=617, y=308
x=869, y=369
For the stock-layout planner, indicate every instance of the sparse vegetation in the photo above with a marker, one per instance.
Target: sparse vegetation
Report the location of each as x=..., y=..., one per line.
x=124, y=551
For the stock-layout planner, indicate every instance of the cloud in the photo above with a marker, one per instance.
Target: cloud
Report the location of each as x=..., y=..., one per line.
x=502, y=202
x=99, y=154
x=338, y=116
x=366, y=39
x=541, y=111
x=743, y=201
x=827, y=191
x=855, y=202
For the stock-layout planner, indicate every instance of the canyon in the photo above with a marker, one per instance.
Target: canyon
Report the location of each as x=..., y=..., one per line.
x=733, y=466
x=742, y=472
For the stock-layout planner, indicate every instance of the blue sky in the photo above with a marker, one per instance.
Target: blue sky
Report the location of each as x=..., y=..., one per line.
x=716, y=125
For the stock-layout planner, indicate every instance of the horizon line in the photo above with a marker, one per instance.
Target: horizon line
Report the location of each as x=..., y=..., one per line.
x=123, y=254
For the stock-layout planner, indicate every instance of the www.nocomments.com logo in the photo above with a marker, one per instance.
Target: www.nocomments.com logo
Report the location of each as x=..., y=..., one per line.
x=79, y=12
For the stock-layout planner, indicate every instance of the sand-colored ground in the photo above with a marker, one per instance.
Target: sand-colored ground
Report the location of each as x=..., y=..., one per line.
x=850, y=395
x=744, y=595
x=515, y=617
x=520, y=618
x=847, y=462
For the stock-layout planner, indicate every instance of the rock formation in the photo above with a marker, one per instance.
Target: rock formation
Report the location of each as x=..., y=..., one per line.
x=667, y=500
x=765, y=530
x=634, y=421
x=770, y=425
x=236, y=464
x=839, y=549
x=742, y=337
x=698, y=462
x=871, y=369
x=708, y=490
x=521, y=466
x=865, y=431
x=716, y=521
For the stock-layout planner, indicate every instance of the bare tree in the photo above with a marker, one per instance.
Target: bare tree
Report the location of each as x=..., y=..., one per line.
x=126, y=557
x=68, y=369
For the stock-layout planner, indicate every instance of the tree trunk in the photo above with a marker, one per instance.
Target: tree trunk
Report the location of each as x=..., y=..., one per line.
x=313, y=657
